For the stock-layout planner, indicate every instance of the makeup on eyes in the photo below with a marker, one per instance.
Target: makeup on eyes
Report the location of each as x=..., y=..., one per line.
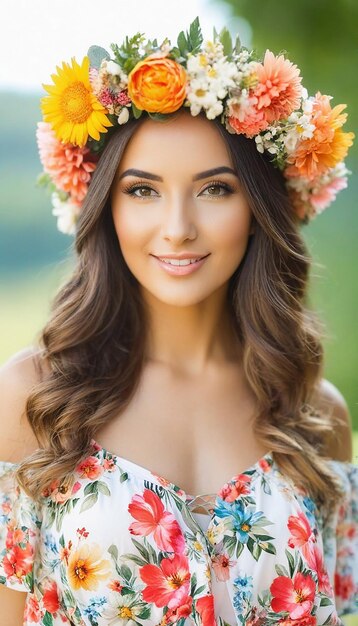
x=132, y=187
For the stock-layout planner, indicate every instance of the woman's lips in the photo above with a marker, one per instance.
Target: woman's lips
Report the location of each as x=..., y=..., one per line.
x=180, y=270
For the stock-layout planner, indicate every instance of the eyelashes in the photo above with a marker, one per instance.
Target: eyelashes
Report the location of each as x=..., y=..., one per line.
x=132, y=187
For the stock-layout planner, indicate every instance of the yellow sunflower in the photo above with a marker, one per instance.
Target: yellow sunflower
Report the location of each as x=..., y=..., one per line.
x=71, y=108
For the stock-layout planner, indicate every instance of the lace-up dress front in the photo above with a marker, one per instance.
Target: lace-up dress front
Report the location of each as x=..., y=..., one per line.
x=119, y=545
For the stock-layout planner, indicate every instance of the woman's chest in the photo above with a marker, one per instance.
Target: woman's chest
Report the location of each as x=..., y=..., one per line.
x=196, y=434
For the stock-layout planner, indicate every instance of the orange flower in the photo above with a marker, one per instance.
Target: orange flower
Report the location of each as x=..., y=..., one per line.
x=329, y=144
x=87, y=567
x=278, y=91
x=157, y=85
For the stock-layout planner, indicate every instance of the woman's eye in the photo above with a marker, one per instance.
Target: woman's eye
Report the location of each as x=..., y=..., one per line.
x=138, y=188
x=216, y=187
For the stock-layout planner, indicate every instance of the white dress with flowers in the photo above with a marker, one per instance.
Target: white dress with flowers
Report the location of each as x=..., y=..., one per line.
x=120, y=545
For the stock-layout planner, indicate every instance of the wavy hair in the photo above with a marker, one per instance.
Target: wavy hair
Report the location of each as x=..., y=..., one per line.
x=94, y=340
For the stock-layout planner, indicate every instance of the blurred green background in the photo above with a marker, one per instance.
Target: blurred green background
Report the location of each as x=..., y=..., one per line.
x=321, y=37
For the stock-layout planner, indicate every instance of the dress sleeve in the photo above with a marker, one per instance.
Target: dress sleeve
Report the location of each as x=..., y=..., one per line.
x=346, y=542
x=19, y=532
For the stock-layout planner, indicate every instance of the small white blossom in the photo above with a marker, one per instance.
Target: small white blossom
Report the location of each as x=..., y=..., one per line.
x=66, y=213
x=123, y=116
x=113, y=68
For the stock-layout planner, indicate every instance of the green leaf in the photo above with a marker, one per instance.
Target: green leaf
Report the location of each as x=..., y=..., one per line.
x=137, y=559
x=182, y=43
x=136, y=112
x=215, y=33
x=90, y=488
x=89, y=502
x=226, y=41
x=237, y=46
x=158, y=116
x=113, y=551
x=126, y=572
x=195, y=36
x=103, y=488
x=47, y=619
x=125, y=591
x=96, y=55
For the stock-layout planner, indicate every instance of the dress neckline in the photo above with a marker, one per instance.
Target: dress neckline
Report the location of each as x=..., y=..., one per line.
x=261, y=465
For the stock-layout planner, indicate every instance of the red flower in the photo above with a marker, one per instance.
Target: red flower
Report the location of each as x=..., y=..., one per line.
x=184, y=610
x=205, y=608
x=316, y=563
x=295, y=596
x=50, y=598
x=343, y=586
x=310, y=620
x=90, y=468
x=18, y=561
x=33, y=613
x=239, y=485
x=168, y=583
x=148, y=509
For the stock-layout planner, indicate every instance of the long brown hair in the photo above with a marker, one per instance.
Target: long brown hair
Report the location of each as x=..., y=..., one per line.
x=94, y=339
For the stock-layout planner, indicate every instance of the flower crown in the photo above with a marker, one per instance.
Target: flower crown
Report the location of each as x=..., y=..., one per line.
x=261, y=99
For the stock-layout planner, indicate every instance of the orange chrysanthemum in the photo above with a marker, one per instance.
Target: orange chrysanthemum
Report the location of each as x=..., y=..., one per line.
x=157, y=84
x=329, y=144
x=72, y=109
x=69, y=166
x=278, y=91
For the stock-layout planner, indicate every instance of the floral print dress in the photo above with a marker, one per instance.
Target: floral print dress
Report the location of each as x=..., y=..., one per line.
x=119, y=545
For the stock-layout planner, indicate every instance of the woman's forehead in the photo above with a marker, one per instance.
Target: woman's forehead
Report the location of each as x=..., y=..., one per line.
x=184, y=141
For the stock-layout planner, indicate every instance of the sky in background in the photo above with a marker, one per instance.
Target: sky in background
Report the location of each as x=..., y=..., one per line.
x=37, y=35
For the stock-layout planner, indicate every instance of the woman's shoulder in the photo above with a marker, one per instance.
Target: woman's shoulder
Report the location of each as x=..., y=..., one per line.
x=18, y=375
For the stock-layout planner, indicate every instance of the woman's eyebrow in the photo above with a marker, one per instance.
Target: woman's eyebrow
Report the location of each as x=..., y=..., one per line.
x=212, y=172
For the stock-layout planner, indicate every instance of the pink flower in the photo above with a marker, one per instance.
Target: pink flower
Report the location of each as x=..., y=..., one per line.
x=245, y=118
x=151, y=517
x=278, y=91
x=221, y=565
x=301, y=531
x=60, y=492
x=69, y=167
x=324, y=195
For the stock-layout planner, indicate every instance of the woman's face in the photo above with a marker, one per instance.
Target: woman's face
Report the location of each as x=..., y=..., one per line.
x=168, y=201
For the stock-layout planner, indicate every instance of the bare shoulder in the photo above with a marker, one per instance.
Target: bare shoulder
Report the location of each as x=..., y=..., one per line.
x=329, y=399
x=18, y=375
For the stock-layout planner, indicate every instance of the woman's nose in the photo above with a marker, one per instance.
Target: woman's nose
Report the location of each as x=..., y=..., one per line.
x=179, y=220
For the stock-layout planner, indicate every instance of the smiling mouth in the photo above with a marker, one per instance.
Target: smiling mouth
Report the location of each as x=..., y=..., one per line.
x=181, y=261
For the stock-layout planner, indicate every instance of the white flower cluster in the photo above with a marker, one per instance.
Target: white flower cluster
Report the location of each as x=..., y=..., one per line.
x=113, y=72
x=282, y=138
x=210, y=76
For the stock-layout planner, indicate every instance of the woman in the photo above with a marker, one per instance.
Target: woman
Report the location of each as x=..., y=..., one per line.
x=179, y=464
